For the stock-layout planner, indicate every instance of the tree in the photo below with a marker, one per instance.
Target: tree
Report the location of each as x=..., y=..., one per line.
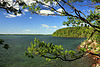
x=67, y=8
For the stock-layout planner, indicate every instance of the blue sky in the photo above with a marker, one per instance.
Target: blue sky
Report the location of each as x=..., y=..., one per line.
x=28, y=23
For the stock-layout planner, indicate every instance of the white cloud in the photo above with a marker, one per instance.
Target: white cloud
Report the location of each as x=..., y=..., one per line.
x=19, y=14
x=53, y=26
x=60, y=10
x=44, y=25
x=49, y=27
x=16, y=6
x=30, y=17
x=29, y=2
x=10, y=16
x=46, y=12
x=46, y=4
x=26, y=10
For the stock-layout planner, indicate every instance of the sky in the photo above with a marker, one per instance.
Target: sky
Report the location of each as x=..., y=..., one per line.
x=28, y=23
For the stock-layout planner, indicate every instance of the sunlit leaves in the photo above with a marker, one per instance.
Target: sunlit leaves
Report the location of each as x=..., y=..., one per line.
x=83, y=49
x=94, y=16
x=24, y=6
x=74, y=32
x=97, y=6
x=96, y=1
x=47, y=59
x=74, y=22
x=66, y=51
x=48, y=51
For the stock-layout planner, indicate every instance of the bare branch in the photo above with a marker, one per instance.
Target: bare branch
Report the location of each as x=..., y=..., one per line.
x=49, y=7
x=94, y=54
x=62, y=7
x=73, y=7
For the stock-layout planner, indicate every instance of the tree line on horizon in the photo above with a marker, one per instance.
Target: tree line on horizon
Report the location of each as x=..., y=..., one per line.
x=76, y=32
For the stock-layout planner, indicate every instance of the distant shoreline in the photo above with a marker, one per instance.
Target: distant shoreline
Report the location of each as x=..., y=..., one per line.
x=70, y=37
x=42, y=35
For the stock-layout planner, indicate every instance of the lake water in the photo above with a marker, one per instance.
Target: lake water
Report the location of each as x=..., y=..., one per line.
x=14, y=56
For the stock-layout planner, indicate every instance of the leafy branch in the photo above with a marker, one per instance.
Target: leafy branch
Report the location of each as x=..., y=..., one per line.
x=51, y=51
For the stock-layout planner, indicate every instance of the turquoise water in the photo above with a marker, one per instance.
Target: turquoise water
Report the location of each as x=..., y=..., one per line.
x=14, y=56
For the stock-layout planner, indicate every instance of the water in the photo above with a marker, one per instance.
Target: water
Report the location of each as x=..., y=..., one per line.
x=14, y=56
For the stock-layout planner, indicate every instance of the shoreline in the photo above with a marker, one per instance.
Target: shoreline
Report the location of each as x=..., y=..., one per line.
x=71, y=37
x=88, y=52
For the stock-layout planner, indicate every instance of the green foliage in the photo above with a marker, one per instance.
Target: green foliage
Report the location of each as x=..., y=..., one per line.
x=96, y=1
x=83, y=49
x=94, y=16
x=73, y=21
x=96, y=37
x=51, y=51
x=77, y=32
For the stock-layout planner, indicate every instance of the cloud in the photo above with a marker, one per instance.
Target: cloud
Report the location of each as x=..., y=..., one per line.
x=10, y=16
x=16, y=6
x=26, y=10
x=30, y=17
x=53, y=26
x=47, y=26
x=60, y=10
x=29, y=2
x=44, y=25
x=19, y=14
x=46, y=12
x=51, y=29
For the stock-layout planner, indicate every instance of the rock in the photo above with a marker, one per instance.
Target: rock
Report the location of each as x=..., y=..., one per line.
x=94, y=65
x=98, y=65
x=95, y=49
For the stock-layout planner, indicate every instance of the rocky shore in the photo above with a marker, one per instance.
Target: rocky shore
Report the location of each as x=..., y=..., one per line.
x=92, y=51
